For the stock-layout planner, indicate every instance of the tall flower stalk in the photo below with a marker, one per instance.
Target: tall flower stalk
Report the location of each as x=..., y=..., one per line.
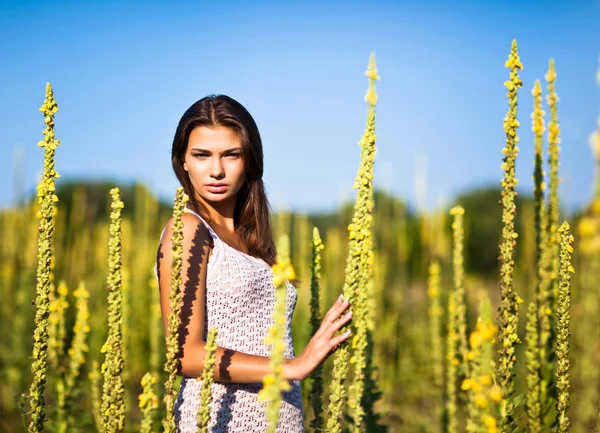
x=113, y=390
x=316, y=387
x=95, y=384
x=562, y=329
x=553, y=159
x=174, y=320
x=458, y=235
x=47, y=210
x=435, y=314
x=208, y=377
x=508, y=310
x=536, y=316
x=452, y=364
x=358, y=264
x=274, y=382
x=548, y=294
x=148, y=402
x=484, y=394
x=77, y=351
x=57, y=331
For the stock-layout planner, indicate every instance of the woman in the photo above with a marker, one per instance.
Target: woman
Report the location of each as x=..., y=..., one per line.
x=228, y=250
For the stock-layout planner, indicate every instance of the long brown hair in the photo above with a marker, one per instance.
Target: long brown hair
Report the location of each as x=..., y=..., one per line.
x=251, y=215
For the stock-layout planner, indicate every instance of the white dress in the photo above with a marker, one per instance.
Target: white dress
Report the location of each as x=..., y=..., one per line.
x=240, y=299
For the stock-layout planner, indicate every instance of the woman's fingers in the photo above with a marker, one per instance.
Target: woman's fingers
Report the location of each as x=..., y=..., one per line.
x=338, y=339
x=339, y=302
x=335, y=310
x=337, y=324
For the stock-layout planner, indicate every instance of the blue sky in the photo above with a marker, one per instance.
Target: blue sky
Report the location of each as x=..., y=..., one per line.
x=124, y=72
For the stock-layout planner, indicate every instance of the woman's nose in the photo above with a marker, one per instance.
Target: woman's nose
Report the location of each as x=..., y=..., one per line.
x=217, y=169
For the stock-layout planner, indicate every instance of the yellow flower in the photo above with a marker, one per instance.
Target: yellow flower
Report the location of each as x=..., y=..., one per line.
x=496, y=394
x=467, y=384
x=372, y=73
x=475, y=339
x=486, y=380
x=480, y=401
x=371, y=97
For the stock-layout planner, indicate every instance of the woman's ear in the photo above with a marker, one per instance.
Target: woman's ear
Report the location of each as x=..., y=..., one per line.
x=185, y=166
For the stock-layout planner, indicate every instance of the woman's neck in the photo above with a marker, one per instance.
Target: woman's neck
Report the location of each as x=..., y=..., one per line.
x=221, y=213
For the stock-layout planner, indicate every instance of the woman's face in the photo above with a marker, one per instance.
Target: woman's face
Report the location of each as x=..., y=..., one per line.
x=214, y=161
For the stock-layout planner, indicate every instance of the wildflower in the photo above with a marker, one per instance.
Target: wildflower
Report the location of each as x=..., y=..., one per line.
x=549, y=258
x=459, y=287
x=435, y=311
x=274, y=383
x=452, y=371
x=81, y=329
x=148, y=402
x=207, y=381
x=316, y=388
x=46, y=214
x=358, y=276
x=553, y=204
x=508, y=310
x=57, y=331
x=113, y=391
x=537, y=323
x=480, y=387
x=174, y=320
x=94, y=376
x=562, y=330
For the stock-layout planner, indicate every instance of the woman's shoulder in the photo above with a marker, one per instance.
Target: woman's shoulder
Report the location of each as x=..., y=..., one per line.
x=193, y=229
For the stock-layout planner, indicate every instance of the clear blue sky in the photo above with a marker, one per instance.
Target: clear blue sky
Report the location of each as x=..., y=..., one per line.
x=124, y=72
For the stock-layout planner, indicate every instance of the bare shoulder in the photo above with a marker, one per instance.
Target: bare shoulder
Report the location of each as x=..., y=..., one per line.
x=193, y=230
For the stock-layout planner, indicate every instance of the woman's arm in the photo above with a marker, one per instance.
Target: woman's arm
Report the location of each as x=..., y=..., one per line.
x=231, y=365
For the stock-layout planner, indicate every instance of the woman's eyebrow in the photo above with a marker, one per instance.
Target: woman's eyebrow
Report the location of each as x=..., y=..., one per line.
x=208, y=151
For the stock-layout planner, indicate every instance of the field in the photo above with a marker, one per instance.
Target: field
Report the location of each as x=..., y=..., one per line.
x=482, y=317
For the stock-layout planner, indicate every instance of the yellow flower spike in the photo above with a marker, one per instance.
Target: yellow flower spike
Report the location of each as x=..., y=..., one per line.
x=508, y=310
x=207, y=381
x=45, y=213
x=275, y=382
x=113, y=391
x=174, y=320
x=562, y=328
x=359, y=271
x=316, y=389
x=480, y=404
x=76, y=352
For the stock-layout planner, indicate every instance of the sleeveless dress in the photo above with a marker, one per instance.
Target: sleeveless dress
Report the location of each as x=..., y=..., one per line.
x=240, y=300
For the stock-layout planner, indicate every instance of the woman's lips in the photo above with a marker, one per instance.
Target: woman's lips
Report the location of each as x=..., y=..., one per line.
x=216, y=189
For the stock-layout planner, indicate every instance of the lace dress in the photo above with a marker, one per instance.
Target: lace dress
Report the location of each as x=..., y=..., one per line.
x=240, y=299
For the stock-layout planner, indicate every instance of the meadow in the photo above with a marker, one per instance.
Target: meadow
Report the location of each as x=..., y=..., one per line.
x=480, y=317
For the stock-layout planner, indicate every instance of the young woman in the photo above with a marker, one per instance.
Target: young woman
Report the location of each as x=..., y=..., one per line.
x=228, y=250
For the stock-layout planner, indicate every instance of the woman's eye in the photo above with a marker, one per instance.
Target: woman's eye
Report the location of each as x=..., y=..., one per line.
x=235, y=155
x=198, y=155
